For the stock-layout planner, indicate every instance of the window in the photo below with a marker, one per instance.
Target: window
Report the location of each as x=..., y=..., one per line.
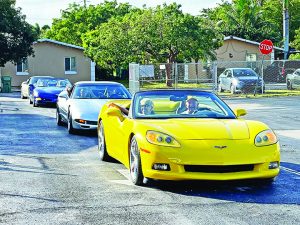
x=70, y=65
x=22, y=67
x=251, y=57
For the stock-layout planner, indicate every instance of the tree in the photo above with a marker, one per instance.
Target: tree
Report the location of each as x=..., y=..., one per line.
x=161, y=34
x=78, y=20
x=16, y=35
x=245, y=19
x=273, y=11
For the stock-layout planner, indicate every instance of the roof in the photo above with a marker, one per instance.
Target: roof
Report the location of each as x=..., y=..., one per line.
x=247, y=41
x=58, y=43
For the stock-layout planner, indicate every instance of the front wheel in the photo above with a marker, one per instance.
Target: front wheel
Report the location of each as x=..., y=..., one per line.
x=58, y=118
x=232, y=89
x=71, y=130
x=220, y=88
x=289, y=85
x=101, y=143
x=135, y=165
x=35, y=104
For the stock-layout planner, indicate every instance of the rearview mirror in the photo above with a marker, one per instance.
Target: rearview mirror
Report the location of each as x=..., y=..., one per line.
x=240, y=112
x=112, y=111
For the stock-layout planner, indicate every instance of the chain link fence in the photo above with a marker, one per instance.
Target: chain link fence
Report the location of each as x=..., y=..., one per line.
x=222, y=77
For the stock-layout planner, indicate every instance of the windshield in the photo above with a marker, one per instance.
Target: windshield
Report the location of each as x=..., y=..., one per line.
x=53, y=82
x=244, y=73
x=100, y=91
x=179, y=104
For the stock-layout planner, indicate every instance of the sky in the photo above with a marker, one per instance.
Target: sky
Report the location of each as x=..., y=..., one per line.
x=43, y=11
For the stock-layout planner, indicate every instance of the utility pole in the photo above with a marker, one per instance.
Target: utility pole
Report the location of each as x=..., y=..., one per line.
x=286, y=28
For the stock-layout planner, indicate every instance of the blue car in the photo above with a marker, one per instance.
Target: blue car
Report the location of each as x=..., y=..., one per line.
x=47, y=90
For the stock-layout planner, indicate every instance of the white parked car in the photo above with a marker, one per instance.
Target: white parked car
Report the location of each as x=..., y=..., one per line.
x=293, y=80
x=80, y=105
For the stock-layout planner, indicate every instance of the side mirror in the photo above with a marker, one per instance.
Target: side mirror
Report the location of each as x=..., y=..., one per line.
x=69, y=90
x=112, y=111
x=63, y=95
x=240, y=112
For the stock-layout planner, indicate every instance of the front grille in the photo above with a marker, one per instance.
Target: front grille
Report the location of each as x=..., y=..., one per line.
x=91, y=122
x=218, y=169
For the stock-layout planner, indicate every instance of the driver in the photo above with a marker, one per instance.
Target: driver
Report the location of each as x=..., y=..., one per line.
x=191, y=106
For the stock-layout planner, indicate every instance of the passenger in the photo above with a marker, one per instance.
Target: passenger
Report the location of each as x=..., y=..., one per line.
x=146, y=106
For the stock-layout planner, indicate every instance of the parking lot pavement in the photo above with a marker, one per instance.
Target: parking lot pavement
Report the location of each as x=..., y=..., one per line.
x=50, y=177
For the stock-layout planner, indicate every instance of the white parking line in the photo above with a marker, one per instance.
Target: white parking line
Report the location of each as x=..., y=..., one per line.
x=290, y=170
x=126, y=175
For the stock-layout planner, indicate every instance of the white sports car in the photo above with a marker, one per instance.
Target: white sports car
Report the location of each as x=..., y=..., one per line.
x=80, y=105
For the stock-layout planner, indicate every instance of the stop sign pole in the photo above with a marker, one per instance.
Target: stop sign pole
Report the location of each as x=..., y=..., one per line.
x=265, y=48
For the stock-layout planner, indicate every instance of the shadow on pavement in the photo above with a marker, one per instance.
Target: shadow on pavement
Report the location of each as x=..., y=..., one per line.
x=284, y=190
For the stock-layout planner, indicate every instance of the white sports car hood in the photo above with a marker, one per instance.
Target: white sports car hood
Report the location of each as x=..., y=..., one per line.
x=87, y=109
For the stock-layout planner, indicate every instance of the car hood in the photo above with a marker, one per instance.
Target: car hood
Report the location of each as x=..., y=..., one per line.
x=87, y=109
x=201, y=129
x=247, y=78
x=49, y=90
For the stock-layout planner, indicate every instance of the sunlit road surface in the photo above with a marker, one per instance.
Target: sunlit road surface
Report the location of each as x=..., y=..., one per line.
x=50, y=177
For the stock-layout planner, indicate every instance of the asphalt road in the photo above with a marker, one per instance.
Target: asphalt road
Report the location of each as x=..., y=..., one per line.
x=50, y=177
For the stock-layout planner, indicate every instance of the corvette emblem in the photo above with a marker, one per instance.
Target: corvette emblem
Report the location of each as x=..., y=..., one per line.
x=220, y=146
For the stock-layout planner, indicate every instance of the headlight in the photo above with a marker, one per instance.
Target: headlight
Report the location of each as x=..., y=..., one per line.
x=266, y=137
x=158, y=138
x=36, y=94
x=235, y=82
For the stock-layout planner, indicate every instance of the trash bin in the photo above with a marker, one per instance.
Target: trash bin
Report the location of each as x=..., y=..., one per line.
x=6, y=84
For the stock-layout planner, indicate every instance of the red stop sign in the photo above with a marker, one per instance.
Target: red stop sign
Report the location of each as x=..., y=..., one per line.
x=266, y=47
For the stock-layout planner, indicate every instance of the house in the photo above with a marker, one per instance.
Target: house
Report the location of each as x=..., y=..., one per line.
x=235, y=52
x=52, y=58
x=239, y=49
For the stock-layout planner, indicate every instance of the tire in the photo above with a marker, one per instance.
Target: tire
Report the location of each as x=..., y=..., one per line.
x=232, y=89
x=71, y=129
x=101, y=143
x=220, y=88
x=35, y=104
x=135, y=163
x=58, y=118
x=289, y=85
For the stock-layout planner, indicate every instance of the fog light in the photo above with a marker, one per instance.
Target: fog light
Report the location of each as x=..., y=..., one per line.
x=38, y=99
x=273, y=165
x=161, y=166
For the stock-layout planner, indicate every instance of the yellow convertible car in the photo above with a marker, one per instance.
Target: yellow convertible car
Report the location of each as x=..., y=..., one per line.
x=186, y=135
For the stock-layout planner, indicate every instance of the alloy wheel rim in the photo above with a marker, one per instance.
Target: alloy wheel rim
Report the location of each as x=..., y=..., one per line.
x=57, y=117
x=69, y=123
x=100, y=140
x=133, y=160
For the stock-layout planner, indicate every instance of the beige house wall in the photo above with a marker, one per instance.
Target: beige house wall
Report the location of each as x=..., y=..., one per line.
x=49, y=60
x=238, y=51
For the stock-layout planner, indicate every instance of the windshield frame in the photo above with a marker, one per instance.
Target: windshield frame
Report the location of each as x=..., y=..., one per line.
x=87, y=85
x=219, y=102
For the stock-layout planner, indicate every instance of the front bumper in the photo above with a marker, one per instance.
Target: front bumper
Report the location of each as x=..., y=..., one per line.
x=90, y=125
x=239, y=154
x=45, y=101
